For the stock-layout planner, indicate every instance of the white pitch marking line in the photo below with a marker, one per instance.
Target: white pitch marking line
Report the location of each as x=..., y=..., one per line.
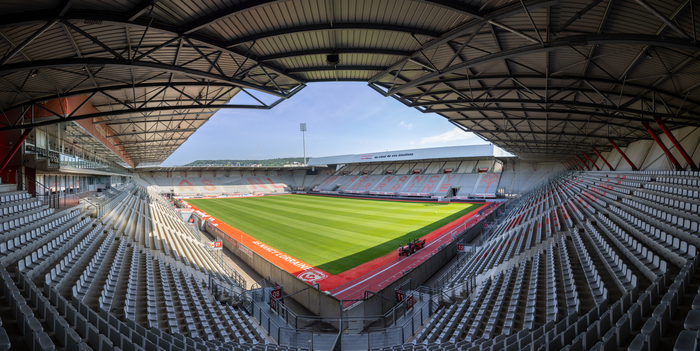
x=387, y=268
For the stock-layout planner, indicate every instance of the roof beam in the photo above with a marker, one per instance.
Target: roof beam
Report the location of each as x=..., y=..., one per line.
x=658, y=31
x=27, y=41
x=151, y=141
x=65, y=5
x=497, y=131
x=334, y=68
x=331, y=26
x=127, y=112
x=118, y=19
x=673, y=71
x=478, y=108
x=557, y=44
x=663, y=18
x=139, y=9
x=578, y=15
x=121, y=87
x=545, y=119
x=575, y=79
x=511, y=9
x=227, y=11
x=457, y=6
x=155, y=118
x=154, y=132
x=160, y=67
x=371, y=51
x=149, y=148
x=545, y=108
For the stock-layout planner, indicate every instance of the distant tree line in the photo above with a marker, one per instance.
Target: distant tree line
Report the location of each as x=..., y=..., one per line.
x=273, y=162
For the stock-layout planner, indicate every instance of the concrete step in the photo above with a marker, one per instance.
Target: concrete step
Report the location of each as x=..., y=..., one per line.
x=7, y=187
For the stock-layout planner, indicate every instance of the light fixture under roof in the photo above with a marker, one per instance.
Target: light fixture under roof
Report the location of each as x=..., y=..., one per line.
x=333, y=59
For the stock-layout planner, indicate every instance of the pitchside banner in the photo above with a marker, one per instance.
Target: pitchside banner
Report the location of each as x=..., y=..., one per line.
x=230, y=240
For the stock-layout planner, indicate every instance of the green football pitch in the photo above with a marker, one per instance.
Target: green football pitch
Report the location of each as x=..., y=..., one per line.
x=332, y=233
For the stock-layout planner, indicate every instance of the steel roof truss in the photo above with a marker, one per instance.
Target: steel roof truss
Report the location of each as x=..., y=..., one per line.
x=152, y=132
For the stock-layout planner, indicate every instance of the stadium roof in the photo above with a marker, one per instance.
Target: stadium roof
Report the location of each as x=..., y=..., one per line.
x=220, y=168
x=539, y=78
x=442, y=153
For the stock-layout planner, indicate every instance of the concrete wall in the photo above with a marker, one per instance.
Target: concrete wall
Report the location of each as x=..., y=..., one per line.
x=648, y=156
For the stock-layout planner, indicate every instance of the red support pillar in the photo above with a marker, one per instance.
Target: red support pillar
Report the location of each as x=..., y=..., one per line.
x=589, y=159
x=663, y=147
x=601, y=157
x=634, y=168
x=584, y=163
x=578, y=165
x=676, y=143
x=566, y=165
x=12, y=153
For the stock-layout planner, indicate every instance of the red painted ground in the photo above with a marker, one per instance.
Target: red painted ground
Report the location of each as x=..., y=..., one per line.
x=371, y=275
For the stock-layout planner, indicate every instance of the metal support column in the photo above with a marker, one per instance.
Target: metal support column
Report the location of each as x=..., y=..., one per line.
x=676, y=143
x=578, y=166
x=584, y=163
x=589, y=159
x=602, y=158
x=663, y=147
x=612, y=142
x=14, y=150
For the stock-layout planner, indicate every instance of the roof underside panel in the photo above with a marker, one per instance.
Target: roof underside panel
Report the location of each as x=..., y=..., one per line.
x=540, y=78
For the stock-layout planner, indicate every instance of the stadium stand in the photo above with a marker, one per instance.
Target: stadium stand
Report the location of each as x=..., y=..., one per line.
x=230, y=183
x=486, y=185
x=234, y=184
x=95, y=94
x=621, y=247
x=389, y=185
x=79, y=282
x=364, y=184
x=420, y=185
x=585, y=260
x=431, y=179
x=466, y=185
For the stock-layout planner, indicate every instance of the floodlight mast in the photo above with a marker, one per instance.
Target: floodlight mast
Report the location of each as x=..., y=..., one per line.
x=302, y=127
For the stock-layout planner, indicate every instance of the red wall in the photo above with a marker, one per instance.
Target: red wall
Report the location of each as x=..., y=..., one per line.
x=7, y=141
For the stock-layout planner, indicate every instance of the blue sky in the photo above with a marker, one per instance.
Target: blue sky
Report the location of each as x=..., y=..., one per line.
x=342, y=118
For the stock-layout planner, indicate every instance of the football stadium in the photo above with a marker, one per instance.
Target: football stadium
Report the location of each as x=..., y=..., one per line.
x=571, y=225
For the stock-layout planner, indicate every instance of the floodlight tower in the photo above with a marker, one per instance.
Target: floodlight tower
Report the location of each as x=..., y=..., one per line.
x=302, y=128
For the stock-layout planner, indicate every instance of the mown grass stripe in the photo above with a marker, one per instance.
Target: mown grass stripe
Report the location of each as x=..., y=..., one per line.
x=334, y=234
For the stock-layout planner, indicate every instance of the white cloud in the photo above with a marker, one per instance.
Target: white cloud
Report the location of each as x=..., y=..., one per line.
x=406, y=125
x=452, y=135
